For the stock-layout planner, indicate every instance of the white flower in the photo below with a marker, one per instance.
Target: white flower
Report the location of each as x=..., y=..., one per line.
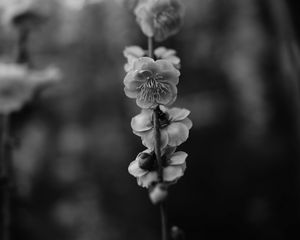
x=159, y=18
x=18, y=83
x=145, y=168
x=132, y=53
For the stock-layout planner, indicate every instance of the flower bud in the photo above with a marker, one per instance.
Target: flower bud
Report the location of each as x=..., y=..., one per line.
x=177, y=233
x=146, y=161
x=158, y=194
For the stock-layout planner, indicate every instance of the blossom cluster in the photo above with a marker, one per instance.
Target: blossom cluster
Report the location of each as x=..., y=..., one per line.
x=151, y=79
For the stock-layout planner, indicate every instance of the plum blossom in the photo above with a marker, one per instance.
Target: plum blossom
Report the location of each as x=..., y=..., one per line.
x=174, y=126
x=152, y=82
x=132, y=53
x=144, y=167
x=159, y=18
x=158, y=193
x=18, y=83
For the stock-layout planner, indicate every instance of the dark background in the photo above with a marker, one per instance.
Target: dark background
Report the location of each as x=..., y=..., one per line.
x=239, y=78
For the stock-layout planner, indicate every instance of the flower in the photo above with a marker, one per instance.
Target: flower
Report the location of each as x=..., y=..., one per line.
x=169, y=55
x=45, y=77
x=18, y=83
x=144, y=167
x=158, y=193
x=174, y=126
x=177, y=233
x=152, y=82
x=159, y=18
x=133, y=53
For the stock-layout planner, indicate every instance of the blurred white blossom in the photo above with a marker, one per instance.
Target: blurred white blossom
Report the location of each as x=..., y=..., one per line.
x=159, y=18
x=18, y=82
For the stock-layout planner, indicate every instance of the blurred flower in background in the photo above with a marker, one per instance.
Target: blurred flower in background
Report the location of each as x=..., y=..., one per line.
x=159, y=18
x=18, y=83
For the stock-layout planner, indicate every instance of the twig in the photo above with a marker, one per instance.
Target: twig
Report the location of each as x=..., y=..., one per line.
x=157, y=149
x=5, y=179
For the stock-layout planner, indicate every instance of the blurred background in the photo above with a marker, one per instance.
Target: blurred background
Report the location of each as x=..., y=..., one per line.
x=240, y=76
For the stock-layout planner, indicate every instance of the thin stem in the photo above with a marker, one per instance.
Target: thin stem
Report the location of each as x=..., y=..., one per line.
x=157, y=143
x=22, y=48
x=164, y=222
x=150, y=47
x=5, y=179
x=157, y=150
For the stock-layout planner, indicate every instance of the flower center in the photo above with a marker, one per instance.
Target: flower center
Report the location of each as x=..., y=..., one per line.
x=163, y=119
x=152, y=90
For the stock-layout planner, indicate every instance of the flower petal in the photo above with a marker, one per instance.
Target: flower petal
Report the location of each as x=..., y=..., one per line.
x=145, y=103
x=178, y=158
x=135, y=170
x=169, y=96
x=162, y=52
x=177, y=114
x=147, y=179
x=149, y=141
x=159, y=52
x=133, y=51
x=187, y=122
x=172, y=173
x=131, y=81
x=142, y=122
x=170, y=77
x=144, y=63
x=177, y=133
x=168, y=151
x=130, y=93
x=169, y=53
x=174, y=60
x=166, y=66
x=144, y=19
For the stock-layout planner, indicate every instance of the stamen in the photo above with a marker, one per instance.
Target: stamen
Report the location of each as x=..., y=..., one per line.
x=152, y=90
